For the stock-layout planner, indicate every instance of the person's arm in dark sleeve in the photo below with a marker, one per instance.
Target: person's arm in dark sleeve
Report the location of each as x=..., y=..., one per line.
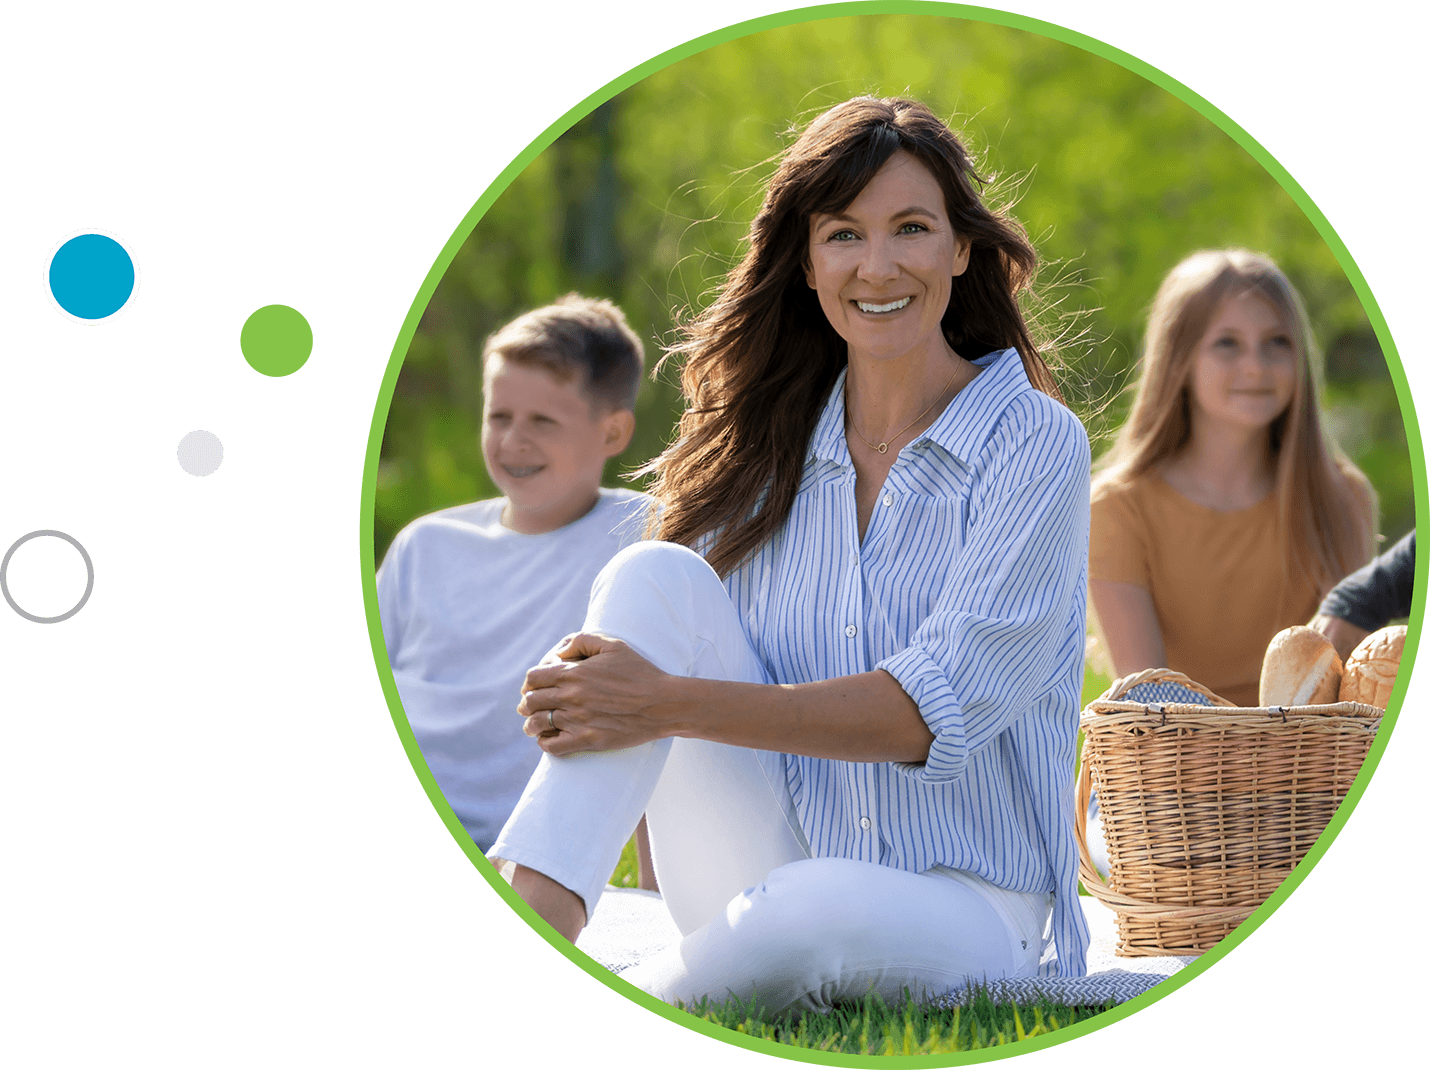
x=1369, y=598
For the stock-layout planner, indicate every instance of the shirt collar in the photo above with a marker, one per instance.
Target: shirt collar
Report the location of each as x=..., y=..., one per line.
x=961, y=429
x=828, y=442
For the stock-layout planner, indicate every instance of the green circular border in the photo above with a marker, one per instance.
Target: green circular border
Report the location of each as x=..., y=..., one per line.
x=700, y=44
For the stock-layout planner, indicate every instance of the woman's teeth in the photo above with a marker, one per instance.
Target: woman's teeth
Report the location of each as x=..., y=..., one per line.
x=893, y=306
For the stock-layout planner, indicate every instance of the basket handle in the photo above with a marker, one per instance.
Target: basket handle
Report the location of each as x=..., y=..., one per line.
x=1087, y=872
x=1122, y=685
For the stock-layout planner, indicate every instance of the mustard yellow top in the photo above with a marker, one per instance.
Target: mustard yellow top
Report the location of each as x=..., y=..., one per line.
x=1217, y=580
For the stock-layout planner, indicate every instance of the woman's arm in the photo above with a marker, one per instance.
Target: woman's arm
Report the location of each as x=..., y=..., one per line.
x=995, y=643
x=1129, y=626
x=604, y=696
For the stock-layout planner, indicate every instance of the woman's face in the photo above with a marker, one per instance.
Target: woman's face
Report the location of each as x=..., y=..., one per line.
x=1244, y=367
x=884, y=266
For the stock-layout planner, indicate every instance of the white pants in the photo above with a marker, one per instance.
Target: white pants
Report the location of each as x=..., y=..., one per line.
x=761, y=919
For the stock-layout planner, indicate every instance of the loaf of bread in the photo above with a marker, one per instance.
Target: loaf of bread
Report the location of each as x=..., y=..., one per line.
x=1301, y=668
x=1371, y=668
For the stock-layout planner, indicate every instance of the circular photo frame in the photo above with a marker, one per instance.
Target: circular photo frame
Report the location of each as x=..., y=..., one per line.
x=643, y=193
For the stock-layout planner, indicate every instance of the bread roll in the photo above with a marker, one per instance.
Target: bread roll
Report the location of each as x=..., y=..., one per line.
x=1301, y=668
x=1371, y=668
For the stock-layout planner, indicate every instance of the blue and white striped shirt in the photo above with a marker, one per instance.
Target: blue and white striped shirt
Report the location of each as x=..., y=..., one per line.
x=970, y=588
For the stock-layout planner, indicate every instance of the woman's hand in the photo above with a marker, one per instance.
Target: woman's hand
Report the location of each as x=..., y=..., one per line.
x=594, y=693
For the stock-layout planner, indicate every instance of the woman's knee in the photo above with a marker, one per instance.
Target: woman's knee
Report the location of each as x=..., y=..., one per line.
x=664, y=567
x=655, y=559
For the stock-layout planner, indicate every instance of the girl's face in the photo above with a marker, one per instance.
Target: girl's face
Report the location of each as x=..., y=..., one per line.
x=884, y=267
x=1244, y=367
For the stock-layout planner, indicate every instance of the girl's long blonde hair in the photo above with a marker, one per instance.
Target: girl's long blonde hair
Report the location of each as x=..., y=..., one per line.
x=1326, y=508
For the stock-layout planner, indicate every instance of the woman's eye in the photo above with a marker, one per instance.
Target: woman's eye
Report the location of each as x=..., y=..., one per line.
x=912, y=228
x=841, y=235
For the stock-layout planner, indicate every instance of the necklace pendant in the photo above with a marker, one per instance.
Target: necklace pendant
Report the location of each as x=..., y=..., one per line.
x=882, y=447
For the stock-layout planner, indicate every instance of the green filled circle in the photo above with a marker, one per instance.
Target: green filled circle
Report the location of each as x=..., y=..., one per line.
x=276, y=340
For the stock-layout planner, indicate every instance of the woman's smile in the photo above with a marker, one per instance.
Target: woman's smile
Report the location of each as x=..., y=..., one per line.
x=883, y=309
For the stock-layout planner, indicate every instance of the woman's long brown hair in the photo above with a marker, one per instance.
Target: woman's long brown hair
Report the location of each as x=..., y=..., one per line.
x=760, y=362
x=1326, y=508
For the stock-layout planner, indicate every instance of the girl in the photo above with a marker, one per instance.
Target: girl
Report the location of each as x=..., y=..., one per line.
x=1223, y=514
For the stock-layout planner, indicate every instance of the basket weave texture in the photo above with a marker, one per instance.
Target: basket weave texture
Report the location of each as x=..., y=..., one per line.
x=1207, y=807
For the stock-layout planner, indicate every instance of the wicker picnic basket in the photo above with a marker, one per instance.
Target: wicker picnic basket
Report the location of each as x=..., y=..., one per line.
x=1206, y=806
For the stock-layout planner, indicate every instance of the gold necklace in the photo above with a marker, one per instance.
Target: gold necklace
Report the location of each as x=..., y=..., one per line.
x=883, y=447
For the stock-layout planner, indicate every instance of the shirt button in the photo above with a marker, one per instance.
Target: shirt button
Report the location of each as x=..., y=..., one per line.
x=851, y=631
x=864, y=823
x=888, y=499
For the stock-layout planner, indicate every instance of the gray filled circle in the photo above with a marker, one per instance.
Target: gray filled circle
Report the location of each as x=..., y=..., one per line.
x=5, y=568
x=200, y=453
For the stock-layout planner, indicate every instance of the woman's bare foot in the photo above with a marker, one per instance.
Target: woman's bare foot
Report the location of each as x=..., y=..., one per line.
x=560, y=907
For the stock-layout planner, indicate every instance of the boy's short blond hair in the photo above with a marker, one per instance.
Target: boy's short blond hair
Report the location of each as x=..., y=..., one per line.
x=581, y=338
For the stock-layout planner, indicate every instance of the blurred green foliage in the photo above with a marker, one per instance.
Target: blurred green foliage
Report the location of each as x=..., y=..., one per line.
x=645, y=201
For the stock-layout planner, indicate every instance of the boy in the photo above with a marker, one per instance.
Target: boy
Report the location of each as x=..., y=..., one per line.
x=473, y=596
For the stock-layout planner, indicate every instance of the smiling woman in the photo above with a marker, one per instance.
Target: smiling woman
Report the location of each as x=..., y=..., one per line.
x=760, y=361
x=850, y=717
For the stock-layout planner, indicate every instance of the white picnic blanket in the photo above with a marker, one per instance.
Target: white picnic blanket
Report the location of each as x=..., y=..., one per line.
x=629, y=924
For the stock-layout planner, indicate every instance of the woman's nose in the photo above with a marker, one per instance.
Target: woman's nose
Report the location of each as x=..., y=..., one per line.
x=878, y=263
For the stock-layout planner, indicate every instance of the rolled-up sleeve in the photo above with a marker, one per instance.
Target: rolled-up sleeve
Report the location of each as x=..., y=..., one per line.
x=1007, y=620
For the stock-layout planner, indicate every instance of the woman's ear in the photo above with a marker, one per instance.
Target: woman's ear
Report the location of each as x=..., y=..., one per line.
x=620, y=425
x=962, y=246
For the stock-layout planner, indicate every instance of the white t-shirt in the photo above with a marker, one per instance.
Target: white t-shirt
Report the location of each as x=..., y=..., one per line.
x=467, y=607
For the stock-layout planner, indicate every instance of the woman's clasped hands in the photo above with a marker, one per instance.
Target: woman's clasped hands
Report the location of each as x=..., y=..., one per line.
x=594, y=693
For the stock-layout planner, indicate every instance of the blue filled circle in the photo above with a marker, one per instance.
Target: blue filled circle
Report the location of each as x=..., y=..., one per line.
x=91, y=276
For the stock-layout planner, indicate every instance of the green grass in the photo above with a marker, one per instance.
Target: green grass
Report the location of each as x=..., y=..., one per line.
x=1094, y=684
x=627, y=870
x=871, y=1027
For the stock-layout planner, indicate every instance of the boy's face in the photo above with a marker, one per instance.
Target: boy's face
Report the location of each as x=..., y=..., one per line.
x=545, y=445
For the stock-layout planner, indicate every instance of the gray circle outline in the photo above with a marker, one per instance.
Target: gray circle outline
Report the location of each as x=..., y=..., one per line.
x=5, y=566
